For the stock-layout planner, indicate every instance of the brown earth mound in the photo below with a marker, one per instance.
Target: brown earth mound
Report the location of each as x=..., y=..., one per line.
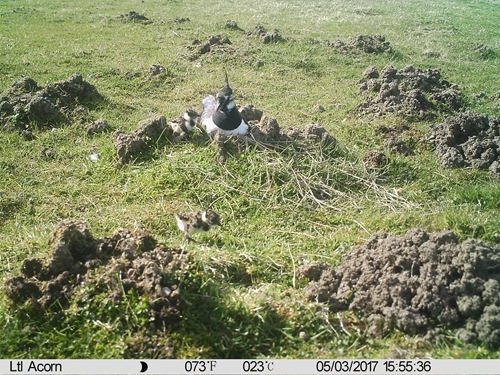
x=266, y=134
x=127, y=260
x=392, y=136
x=133, y=16
x=27, y=102
x=468, y=140
x=266, y=129
x=98, y=126
x=409, y=92
x=375, y=159
x=416, y=283
x=148, y=133
x=265, y=36
x=214, y=43
x=363, y=43
x=230, y=24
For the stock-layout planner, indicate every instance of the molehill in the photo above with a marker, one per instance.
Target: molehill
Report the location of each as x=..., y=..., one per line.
x=418, y=283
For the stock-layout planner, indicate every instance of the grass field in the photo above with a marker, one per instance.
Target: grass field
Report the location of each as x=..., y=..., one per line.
x=242, y=297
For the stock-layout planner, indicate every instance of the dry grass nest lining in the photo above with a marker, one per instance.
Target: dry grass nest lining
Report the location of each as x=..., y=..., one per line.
x=307, y=157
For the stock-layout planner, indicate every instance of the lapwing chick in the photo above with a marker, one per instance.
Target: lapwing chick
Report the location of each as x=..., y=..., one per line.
x=194, y=222
x=182, y=126
x=221, y=115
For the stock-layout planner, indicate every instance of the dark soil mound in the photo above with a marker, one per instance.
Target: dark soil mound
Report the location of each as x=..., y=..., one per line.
x=410, y=92
x=214, y=43
x=392, y=137
x=469, y=140
x=128, y=146
x=375, y=159
x=266, y=134
x=125, y=261
x=363, y=43
x=230, y=24
x=98, y=126
x=414, y=283
x=133, y=16
x=265, y=36
x=26, y=102
x=266, y=129
x=181, y=19
x=148, y=133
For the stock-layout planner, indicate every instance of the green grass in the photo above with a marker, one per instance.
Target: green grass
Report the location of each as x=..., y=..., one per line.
x=244, y=274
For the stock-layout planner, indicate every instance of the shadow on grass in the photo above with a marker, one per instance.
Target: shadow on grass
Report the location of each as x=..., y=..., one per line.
x=9, y=207
x=213, y=327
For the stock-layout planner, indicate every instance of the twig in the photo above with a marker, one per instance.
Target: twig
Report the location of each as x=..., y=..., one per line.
x=293, y=266
x=342, y=325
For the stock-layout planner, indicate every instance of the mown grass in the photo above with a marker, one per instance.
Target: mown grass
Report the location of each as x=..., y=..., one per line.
x=241, y=296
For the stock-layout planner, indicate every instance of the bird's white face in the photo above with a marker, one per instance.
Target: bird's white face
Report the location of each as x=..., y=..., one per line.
x=231, y=104
x=225, y=97
x=204, y=216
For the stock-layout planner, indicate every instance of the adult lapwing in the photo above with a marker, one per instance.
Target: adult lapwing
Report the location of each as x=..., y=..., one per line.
x=221, y=115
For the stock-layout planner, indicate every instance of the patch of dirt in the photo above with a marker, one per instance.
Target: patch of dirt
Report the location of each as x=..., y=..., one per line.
x=47, y=153
x=128, y=146
x=265, y=133
x=214, y=43
x=27, y=135
x=181, y=20
x=415, y=282
x=133, y=16
x=393, y=138
x=232, y=25
x=250, y=113
x=375, y=159
x=98, y=126
x=266, y=129
x=81, y=114
x=468, y=140
x=153, y=129
x=127, y=260
x=27, y=102
x=409, y=92
x=397, y=146
x=148, y=133
x=363, y=43
x=265, y=36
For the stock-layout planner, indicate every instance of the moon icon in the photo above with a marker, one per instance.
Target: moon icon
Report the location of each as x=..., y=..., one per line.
x=144, y=366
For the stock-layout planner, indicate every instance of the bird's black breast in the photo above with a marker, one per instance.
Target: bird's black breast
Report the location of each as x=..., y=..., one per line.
x=227, y=121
